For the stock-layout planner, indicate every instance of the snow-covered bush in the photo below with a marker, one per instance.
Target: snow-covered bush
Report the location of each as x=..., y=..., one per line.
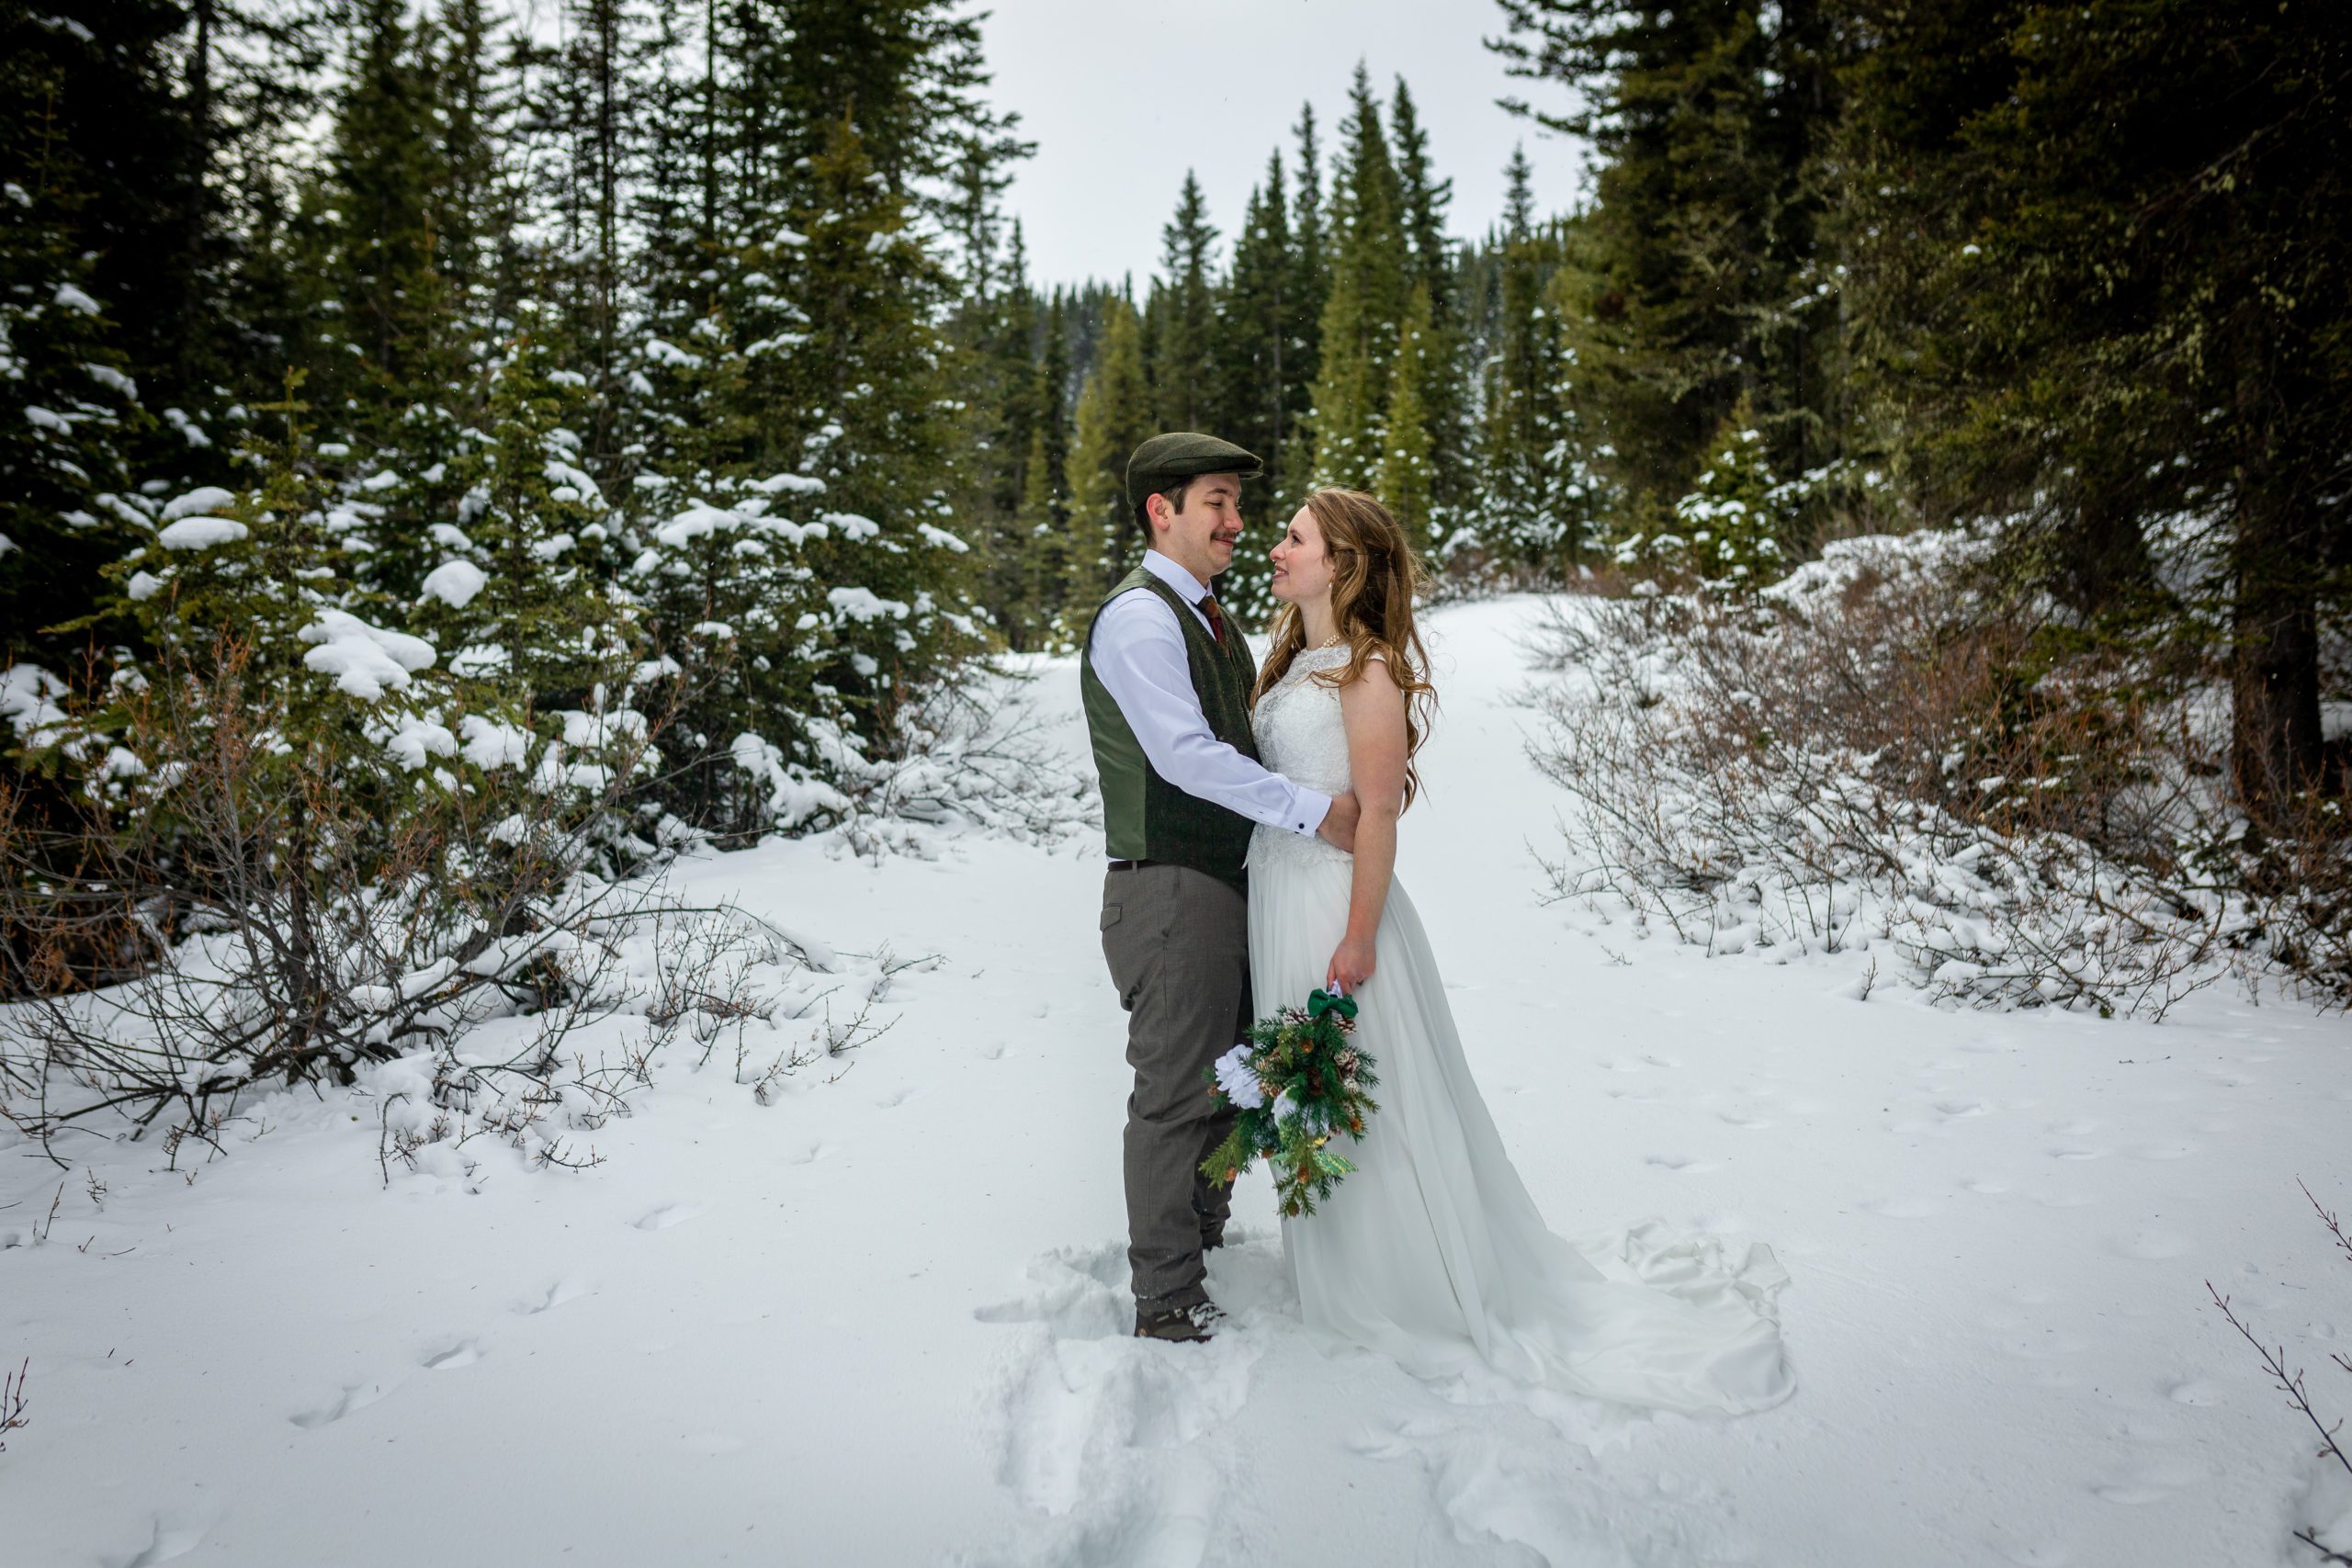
x=303, y=841
x=669, y=981
x=1874, y=755
x=1733, y=528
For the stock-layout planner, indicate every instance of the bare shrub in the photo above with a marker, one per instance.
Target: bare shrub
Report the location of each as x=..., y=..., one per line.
x=2325, y=1521
x=12, y=1401
x=277, y=915
x=722, y=972
x=1873, y=754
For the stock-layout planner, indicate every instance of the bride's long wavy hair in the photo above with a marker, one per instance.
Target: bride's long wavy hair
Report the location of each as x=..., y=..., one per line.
x=1373, y=577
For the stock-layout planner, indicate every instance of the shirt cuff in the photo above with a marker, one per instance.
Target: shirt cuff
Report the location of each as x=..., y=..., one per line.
x=1307, y=811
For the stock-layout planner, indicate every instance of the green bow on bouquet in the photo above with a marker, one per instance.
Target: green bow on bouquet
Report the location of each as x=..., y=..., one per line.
x=1321, y=1003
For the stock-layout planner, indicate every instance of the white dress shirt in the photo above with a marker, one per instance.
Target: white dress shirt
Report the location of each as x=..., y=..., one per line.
x=1138, y=655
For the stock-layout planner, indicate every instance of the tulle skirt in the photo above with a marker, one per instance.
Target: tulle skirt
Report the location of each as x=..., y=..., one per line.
x=1432, y=1253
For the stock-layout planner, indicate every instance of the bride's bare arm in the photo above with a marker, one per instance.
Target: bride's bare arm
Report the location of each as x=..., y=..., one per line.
x=1374, y=711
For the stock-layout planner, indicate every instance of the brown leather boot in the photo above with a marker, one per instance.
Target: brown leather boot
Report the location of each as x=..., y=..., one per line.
x=1181, y=1325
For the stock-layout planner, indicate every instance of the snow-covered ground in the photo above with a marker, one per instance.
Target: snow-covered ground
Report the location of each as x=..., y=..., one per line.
x=882, y=1320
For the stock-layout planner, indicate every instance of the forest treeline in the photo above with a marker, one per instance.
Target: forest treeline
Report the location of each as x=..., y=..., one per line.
x=695, y=338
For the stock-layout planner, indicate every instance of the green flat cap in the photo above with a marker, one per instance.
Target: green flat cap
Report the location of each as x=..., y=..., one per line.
x=1183, y=454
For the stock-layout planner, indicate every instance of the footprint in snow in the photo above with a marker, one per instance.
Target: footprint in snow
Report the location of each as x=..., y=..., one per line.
x=1960, y=1110
x=667, y=1215
x=355, y=1396
x=2084, y=1153
x=1496, y=1492
x=1750, y=1122
x=2194, y=1392
x=996, y=1052
x=463, y=1353
x=899, y=1096
x=1120, y=1435
x=808, y=1154
x=167, y=1539
x=562, y=1291
x=1689, y=1165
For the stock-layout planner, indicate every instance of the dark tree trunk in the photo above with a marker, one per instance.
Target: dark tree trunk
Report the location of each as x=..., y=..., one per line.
x=2275, y=741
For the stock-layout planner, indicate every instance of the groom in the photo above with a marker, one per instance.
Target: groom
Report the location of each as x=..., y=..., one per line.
x=1167, y=680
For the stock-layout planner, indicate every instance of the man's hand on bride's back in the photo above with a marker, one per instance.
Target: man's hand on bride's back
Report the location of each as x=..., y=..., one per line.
x=1339, y=822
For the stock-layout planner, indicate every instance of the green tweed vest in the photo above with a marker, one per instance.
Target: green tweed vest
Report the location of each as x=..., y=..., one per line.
x=1144, y=816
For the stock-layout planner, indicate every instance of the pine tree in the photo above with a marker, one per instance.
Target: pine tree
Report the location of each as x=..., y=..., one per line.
x=1729, y=528
x=998, y=379
x=67, y=404
x=1184, y=371
x=1259, y=397
x=384, y=173
x=1113, y=418
x=517, y=601
x=1703, y=275
x=1364, y=312
x=1406, y=479
x=1044, y=498
x=1443, y=390
x=874, y=425
x=2132, y=322
x=599, y=86
x=391, y=339
x=1521, y=523
x=1309, y=287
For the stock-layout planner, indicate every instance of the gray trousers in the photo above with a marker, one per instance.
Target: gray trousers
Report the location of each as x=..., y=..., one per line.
x=1178, y=944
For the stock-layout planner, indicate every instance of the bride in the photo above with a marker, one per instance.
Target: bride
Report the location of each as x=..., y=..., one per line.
x=1433, y=1252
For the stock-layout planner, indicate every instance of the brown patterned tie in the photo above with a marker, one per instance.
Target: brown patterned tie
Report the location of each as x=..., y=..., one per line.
x=1216, y=615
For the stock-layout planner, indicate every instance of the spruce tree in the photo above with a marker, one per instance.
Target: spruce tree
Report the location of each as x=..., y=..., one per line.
x=1113, y=417
x=67, y=406
x=1703, y=272
x=1522, y=523
x=1310, y=285
x=1406, y=478
x=1257, y=350
x=1045, y=498
x=994, y=336
x=1184, y=371
x=1442, y=389
x=384, y=174
x=1363, y=317
x=873, y=421
x=2104, y=331
x=517, y=600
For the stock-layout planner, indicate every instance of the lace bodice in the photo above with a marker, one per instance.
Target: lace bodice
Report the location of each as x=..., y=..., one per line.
x=1301, y=736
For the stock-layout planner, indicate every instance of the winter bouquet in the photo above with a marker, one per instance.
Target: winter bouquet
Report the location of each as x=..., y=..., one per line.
x=1296, y=1083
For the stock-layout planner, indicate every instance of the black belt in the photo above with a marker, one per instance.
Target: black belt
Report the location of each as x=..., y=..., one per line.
x=1135, y=865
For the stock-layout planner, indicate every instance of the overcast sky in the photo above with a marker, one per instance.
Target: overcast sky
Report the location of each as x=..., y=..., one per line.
x=1122, y=97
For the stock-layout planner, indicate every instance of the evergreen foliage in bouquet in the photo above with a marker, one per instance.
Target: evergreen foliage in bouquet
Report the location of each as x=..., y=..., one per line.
x=1295, y=1083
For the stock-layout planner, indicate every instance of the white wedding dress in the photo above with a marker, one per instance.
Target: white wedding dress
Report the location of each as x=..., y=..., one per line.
x=1431, y=1252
